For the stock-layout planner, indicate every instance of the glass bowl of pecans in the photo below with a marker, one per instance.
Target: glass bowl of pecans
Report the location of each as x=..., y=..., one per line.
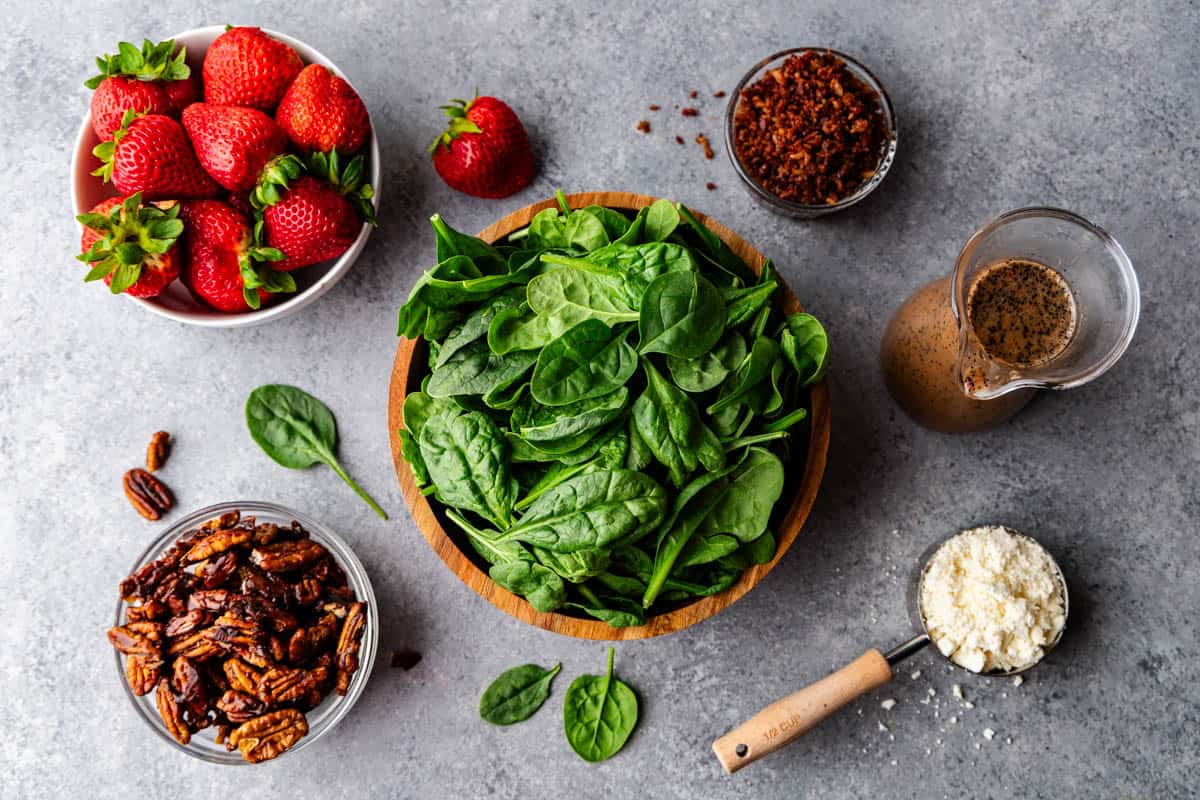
x=810, y=131
x=244, y=632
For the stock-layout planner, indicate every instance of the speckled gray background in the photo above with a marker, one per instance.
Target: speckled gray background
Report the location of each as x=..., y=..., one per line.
x=1091, y=106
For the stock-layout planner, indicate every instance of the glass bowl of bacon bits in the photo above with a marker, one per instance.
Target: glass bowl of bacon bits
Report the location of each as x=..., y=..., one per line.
x=810, y=131
x=245, y=632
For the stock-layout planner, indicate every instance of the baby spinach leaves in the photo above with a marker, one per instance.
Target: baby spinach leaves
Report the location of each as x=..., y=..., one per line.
x=599, y=714
x=611, y=402
x=589, y=360
x=297, y=430
x=682, y=315
x=517, y=694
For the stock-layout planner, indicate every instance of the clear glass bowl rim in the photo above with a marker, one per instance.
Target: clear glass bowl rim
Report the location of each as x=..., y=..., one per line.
x=886, y=160
x=357, y=577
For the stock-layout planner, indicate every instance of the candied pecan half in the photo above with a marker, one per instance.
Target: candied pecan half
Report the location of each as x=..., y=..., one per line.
x=146, y=579
x=142, y=673
x=217, y=542
x=150, y=629
x=266, y=532
x=211, y=599
x=147, y=494
x=348, y=645
x=158, y=450
x=226, y=520
x=265, y=737
x=172, y=715
x=196, y=645
x=263, y=584
x=238, y=707
x=306, y=642
x=242, y=677
x=287, y=556
x=263, y=612
x=183, y=624
x=281, y=685
x=133, y=643
x=327, y=571
x=189, y=685
x=148, y=611
x=306, y=591
x=219, y=570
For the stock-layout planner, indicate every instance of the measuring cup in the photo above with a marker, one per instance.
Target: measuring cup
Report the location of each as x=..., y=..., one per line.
x=786, y=720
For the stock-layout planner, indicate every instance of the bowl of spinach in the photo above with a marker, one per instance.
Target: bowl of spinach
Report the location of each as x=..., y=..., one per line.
x=608, y=413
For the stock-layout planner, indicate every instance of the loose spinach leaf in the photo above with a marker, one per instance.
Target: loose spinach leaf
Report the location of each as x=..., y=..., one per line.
x=681, y=315
x=297, y=430
x=752, y=371
x=476, y=370
x=593, y=510
x=476, y=325
x=599, y=714
x=752, y=489
x=568, y=296
x=589, y=360
x=806, y=347
x=574, y=567
x=539, y=585
x=670, y=425
x=716, y=251
x=661, y=220
x=467, y=459
x=517, y=694
x=518, y=329
x=618, y=612
x=585, y=231
x=542, y=426
x=615, y=223
x=451, y=243
x=706, y=549
x=706, y=372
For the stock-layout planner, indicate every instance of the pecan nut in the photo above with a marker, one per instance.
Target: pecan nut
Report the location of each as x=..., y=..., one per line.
x=132, y=642
x=226, y=520
x=189, y=685
x=216, y=543
x=265, y=737
x=158, y=450
x=348, y=645
x=142, y=673
x=196, y=646
x=280, y=685
x=171, y=713
x=308, y=641
x=147, y=494
x=183, y=624
x=219, y=570
x=287, y=556
x=242, y=677
x=239, y=707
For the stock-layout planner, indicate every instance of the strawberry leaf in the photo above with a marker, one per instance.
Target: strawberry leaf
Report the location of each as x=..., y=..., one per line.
x=153, y=62
x=124, y=276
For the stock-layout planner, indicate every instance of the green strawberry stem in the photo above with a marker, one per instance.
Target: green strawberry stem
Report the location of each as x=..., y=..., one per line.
x=131, y=231
x=456, y=110
x=154, y=62
x=106, y=150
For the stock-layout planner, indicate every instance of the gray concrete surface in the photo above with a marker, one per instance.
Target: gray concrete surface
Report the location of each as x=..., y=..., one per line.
x=1091, y=106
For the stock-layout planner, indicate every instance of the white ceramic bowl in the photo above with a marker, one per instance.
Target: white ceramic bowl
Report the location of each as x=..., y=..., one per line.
x=176, y=302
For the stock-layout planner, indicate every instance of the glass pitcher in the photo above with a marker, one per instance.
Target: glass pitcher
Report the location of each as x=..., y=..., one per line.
x=934, y=363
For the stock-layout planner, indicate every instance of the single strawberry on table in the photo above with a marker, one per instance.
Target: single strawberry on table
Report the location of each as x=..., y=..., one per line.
x=233, y=144
x=225, y=267
x=131, y=245
x=151, y=154
x=323, y=112
x=246, y=67
x=484, y=151
x=155, y=79
x=312, y=212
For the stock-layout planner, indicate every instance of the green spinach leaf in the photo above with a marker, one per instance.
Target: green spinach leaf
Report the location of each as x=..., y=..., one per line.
x=589, y=360
x=806, y=347
x=517, y=694
x=599, y=714
x=681, y=315
x=467, y=460
x=297, y=430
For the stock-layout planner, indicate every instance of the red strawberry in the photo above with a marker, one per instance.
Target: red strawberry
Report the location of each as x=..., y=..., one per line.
x=323, y=112
x=485, y=150
x=153, y=80
x=233, y=144
x=224, y=266
x=311, y=218
x=131, y=245
x=246, y=67
x=152, y=155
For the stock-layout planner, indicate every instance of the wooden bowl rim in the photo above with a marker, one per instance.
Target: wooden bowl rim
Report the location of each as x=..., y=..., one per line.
x=804, y=486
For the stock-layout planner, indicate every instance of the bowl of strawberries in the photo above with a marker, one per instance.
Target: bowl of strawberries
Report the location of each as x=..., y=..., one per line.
x=224, y=177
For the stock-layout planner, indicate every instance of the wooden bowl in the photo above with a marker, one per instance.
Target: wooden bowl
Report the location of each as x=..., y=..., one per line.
x=410, y=367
